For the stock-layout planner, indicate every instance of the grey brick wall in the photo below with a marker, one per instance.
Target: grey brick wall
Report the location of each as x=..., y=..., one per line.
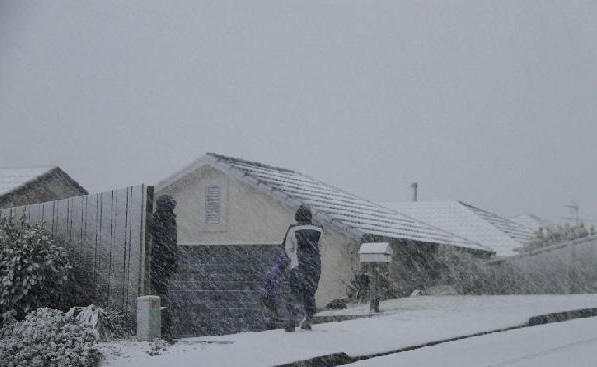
x=216, y=288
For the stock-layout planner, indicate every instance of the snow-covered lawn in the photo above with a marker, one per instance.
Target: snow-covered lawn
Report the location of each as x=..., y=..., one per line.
x=404, y=322
x=572, y=343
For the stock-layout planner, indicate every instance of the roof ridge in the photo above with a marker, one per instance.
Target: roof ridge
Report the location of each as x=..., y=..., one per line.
x=40, y=172
x=49, y=167
x=48, y=171
x=254, y=163
x=507, y=220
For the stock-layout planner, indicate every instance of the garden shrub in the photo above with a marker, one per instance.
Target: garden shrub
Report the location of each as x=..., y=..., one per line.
x=34, y=268
x=46, y=338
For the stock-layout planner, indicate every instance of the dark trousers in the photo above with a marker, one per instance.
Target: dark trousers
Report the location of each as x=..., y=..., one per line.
x=302, y=288
x=274, y=317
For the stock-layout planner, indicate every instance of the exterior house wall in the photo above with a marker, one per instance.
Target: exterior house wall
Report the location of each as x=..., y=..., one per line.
x=52, y=187
x=249, y=216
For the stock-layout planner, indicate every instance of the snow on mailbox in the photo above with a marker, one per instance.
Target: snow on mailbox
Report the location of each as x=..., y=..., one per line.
x=375, y=252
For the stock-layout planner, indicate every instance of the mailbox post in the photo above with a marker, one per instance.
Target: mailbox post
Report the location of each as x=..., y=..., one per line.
x=375, y=254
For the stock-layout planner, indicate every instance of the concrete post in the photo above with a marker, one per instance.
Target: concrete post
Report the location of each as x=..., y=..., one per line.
x=149, y=319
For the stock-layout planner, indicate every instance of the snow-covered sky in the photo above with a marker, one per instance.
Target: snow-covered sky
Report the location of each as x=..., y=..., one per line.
x=490, y=102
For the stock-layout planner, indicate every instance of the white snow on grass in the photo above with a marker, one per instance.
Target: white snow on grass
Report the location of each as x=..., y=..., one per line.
x=404, y=322
x=571, y=343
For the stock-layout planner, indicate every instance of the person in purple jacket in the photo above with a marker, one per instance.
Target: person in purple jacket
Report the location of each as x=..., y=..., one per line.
x=271, y=293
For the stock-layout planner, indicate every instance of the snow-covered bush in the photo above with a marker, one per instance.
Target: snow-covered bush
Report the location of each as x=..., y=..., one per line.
x=553, y=235
x=568, y=269
x=562, y=269
x=108, y=324
x=358, y=287
x=156, y=347
x=34, y=268
x=46, y=338
x=465, y=272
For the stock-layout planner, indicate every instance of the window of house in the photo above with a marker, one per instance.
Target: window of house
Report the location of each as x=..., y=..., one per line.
x=213, y=204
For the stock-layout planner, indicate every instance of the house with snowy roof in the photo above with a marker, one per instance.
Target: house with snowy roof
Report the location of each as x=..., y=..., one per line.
x=232, y=215
x=481, y=226
x=33, y=185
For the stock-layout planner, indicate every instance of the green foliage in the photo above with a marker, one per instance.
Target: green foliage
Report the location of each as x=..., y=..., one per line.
x=549, y=236
x=34, y=268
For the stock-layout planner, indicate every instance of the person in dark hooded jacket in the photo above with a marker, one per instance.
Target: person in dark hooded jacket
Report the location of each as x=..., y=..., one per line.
x=301, y=245
x=163, y=256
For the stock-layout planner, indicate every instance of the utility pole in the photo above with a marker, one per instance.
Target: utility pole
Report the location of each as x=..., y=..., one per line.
x=575, y=209
x=415, y=187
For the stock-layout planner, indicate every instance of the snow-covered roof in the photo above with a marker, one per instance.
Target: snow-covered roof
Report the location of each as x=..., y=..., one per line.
x=531, y=221
x=16, y=181
x=330, y=205
x=490, y=230
x=13, y=178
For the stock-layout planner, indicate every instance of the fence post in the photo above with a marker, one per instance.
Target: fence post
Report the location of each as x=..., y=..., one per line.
x=146, y=280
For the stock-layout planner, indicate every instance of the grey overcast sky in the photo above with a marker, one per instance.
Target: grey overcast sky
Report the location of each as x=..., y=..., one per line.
x=490, y=102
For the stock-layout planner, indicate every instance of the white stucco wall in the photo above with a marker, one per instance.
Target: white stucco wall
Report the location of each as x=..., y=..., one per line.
x=250, y=216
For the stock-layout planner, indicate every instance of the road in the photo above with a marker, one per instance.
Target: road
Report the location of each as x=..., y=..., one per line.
x=571, y=343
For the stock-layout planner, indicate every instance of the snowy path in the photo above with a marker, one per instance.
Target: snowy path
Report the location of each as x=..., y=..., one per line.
x=405, y=322
x=571, y=343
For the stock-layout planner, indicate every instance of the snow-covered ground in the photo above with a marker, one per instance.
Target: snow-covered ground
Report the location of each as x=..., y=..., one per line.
x=403, y=322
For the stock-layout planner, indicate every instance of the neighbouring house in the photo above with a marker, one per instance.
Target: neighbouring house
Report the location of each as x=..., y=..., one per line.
x=531, y=221
x=478, y=225
x=34, y=185
x=232, y=215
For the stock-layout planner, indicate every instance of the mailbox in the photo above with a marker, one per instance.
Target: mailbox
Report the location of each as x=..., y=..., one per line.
x=375, y=255
x=375, y=252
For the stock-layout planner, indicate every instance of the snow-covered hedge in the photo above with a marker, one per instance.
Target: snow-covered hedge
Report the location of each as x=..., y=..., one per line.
x=34, y=268
x=568, y=268
x=46, y=338
x=466, y=273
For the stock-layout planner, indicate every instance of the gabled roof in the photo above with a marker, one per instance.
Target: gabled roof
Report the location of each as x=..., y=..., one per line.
x=482, y=226
x=13, y=180
x=330, y=205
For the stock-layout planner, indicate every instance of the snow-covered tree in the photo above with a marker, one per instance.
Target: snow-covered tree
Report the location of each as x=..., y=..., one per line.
x=545, y=237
